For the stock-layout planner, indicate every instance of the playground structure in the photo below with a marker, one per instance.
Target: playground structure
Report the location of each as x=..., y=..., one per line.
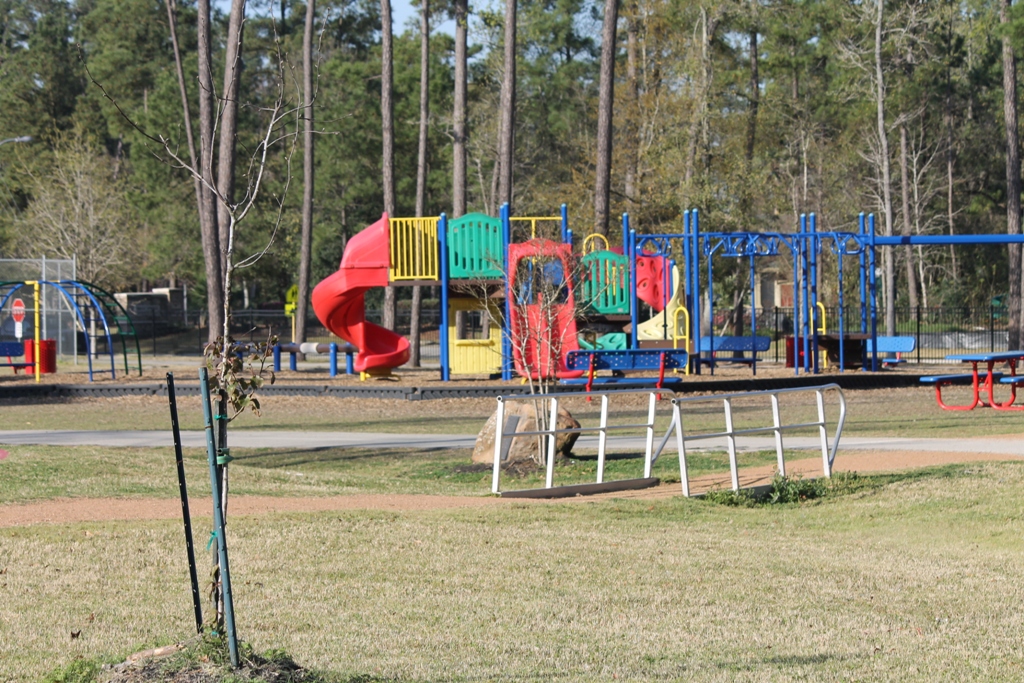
x=543, y=310
x=92, y=311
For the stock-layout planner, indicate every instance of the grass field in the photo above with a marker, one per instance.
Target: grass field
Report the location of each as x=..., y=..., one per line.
x=909, y=577
x=915, y=579
x=34, y=473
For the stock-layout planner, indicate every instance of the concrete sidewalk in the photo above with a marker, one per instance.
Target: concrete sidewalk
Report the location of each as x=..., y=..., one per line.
x=278, y=439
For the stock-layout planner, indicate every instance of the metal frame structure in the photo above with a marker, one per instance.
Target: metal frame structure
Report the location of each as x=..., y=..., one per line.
x=828, y=454
x=62, y=288
x=552, y=433
x=676, y=427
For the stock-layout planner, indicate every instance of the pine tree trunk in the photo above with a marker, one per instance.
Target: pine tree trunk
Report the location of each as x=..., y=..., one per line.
x=506, y=150
x=908, y=250
x=950, y=149
x=306, y=248
x=1012, y=177
x=208, y=203
x=606, y=102
x=459, y=117
x=205, y=229
x=421, y=171
x=387, y=135
x=754, y=97
x=229, y=124
x=633, y=90
x=889, y=275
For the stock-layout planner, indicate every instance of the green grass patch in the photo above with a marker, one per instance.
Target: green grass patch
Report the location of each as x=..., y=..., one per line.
x=32, y=473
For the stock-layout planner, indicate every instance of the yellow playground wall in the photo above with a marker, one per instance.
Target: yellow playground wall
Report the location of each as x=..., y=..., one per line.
x=473, y=356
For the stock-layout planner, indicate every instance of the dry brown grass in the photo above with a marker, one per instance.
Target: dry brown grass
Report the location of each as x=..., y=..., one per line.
x=918, y=580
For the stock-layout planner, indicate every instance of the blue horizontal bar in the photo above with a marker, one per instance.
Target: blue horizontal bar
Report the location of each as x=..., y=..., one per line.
x=949, y=239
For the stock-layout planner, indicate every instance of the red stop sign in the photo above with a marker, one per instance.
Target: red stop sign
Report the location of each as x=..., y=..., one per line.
x=18, y=310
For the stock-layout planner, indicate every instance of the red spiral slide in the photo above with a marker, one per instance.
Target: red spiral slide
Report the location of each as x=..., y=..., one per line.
x=339, y=301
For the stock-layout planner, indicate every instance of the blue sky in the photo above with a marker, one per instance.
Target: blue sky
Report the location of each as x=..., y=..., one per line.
x=402, y=12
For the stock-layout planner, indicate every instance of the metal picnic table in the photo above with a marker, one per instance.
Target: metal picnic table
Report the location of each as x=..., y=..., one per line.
x=981, y=382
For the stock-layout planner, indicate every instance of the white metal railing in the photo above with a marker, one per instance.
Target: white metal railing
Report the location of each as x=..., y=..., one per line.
x=676, y=428
x=828, y=453
x=552, y=432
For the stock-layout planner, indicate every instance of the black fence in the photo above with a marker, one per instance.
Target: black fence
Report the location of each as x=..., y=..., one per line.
x=937, y=331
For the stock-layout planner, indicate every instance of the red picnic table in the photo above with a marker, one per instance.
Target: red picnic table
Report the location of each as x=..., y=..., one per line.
x=983, y=381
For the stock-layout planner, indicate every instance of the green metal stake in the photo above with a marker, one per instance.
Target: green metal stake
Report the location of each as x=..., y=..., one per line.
x=218, y=518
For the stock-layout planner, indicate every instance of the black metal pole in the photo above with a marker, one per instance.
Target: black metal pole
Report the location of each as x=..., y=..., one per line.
x=992, y=328
x=185, y=516
x=917, y=341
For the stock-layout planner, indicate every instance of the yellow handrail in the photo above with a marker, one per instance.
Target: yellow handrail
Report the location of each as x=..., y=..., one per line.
x=685, y=336
x=414, y=247
x=594, y=238
x=533, y=222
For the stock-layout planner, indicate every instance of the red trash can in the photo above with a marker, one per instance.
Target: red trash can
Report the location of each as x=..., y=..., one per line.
x=47, y=355
x=799, y=354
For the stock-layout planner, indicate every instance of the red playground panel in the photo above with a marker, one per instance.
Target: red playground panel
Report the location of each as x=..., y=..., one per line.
x=542, y=308
x=650, y=281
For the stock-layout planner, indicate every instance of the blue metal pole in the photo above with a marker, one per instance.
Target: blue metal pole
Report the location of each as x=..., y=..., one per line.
x=711, y=311
x=218, y=518
x=506, y=332
x=687, y=271
x=666, y=280
x=797, y=247
x=277, y=358
x=696, y=317
x=753, y=318
x=350, y=368
x=813, y=285
x=443, y=336
x=566, y=233
x=292, y=363
x=805, y=329
x=634, y=303
x=862, y=259
x=333, y=360
x=874, y=295
x=842, y=316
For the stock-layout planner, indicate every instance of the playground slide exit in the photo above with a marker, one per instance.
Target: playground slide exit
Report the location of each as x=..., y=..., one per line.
x=339, y=301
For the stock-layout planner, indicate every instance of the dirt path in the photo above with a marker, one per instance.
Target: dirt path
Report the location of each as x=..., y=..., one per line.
x=69, y=510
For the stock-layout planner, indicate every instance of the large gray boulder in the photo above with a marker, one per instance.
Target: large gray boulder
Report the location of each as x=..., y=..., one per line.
x=523, y=448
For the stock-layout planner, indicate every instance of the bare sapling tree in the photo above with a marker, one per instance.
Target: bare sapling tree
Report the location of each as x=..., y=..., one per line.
x=541, y=301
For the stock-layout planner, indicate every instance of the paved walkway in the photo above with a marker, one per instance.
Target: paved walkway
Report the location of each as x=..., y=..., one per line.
x=1009, y=445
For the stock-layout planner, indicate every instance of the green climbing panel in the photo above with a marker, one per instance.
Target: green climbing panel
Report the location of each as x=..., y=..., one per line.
x=613, y=341
x=605, y=283
x=474, y=248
